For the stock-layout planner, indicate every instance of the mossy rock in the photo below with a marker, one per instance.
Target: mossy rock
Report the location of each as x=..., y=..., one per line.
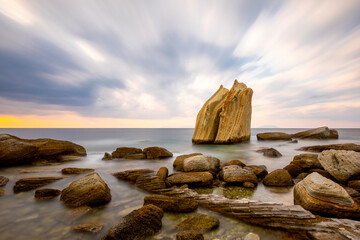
x=235, y=192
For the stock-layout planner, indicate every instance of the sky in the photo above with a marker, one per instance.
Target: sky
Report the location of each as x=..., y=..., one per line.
x=153, y=63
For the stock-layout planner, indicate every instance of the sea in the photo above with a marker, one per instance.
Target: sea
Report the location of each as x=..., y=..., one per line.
x=22, y=217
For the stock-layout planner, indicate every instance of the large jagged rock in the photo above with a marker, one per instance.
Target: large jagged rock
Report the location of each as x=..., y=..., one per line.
x=137, y=225
x=341, y=164
x=225, y=117
x=16, y=151
x=322, y=196
x=201, y=163
x=317, y=133
x=89, y=190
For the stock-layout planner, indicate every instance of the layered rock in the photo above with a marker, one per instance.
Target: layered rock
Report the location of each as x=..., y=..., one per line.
x=325, y=197
x=76, y=170
x=317, y=133
x=320, y=148
x=15, y=151
x=201, y=163
x=137, y=225
x=89, y=190
x=237, y=174
x=27, y=184
x=191, y=178
x=225, y=117
x=162, y=173
x=171, y=204
x=273, y=136
x=199, y=222
x=278, y=178
x=179, y=161
x=341, y=164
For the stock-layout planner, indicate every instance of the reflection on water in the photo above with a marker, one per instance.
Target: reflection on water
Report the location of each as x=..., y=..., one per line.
x=22, y=217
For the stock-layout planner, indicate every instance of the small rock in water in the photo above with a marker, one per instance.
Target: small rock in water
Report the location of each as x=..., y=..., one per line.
x=189, y=235
x=76, y=170
x=270, y=152
x=107, y=156
x=27, y=184
x=278, y=178
x=273, y=136
x=162, y=173
x=125, y=152
x=199, y=222
x=157, y=152
x=46, y=193
x=201, y=163
x=252, y=236
x=3, y=181
x=93, y=228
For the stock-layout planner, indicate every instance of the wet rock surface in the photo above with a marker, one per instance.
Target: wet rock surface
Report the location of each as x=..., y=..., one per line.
x=89, y=190
x=191, y=178
x=27, y=184
x=157, y=152
x=273, y=136
x=76, y=170
x=201, y=163
x=93, y=228
x=3, y=181
x=270, y=152
x=46, y=193
x=179, y=161
x=199, y=222
x=278, y=178
x=171, y=204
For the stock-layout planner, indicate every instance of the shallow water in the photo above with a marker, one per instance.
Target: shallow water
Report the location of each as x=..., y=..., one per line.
x=22, y=217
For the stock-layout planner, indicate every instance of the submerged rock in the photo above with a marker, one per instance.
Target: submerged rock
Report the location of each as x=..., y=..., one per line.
x=270, y=152
x=278, y=178
x=76, y=170
x=317, y=133
x=162, y=173
x=189, y=235
x=322, y=196
x=89, y=190
x=157, y=152
x=341, y=164
x=225, y=117
x=191, y=178
x=237, y=174
x=16, y=151
x=93, y=228
x=172, y=204
x=199, y=222
x=201, y=163
x=320, y=148
x=273, y=136
x=46, y=193
x=179, y=161
x=137, y=225
x=3, y=181
x=27, y=184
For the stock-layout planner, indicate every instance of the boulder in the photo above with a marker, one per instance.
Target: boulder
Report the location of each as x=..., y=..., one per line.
x=189, y=235
x=320, y=148
x=303, y=163
x=270, y=152
x=162, y=173
x=322, y=196
x=234, y=162
x=225, y=117
x=46, y=193
x=107, y=156
x=278, y=178
x=89, y=190
x=157, y=152
x=273, y=136
x=237, y=174
x=355, y=184
x=137, y=225
x=76, y=170
x=27, y=184
x=179, y=161
x=341, y=164
x=201, y=163
x=191, y=178
x=126, y=152
x=3, y=181
x=171, y=204
x=317, y=133
x=16, y=151
x=259, y=171
x=199, y=222
x=93, y=228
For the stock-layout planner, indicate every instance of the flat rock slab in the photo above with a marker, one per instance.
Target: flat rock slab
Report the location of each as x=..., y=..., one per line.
x=3, y=181
x=171, y=204
x=191, y=178
x=27, y=184
x=199, y=222
x=93, y=228
x=317, y=133
x=76, y=170
x=320, y=148
x=273, y=136
x=46, y=193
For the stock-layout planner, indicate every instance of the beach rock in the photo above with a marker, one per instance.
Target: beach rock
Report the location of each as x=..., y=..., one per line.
x=201, y=163
x=355, y=184
x=179, y=161
x=225, y=117
x=76, y=170
x=126, y=152
x=273, y=136
x=303, y=163
x=171, y=204
x=341, y=164
x=199, y=222
x=191, y=178
x=270, y=152
x=150, y=183
x=93, y=228
x=162, y=173
x=237, y=174
x=234, y=162
x=320, y=148
x=322, y=196
x=317, y=133
x=251, y=236
x=46, y=193
x=248, y=185
x=137, y=225
x=3, y=181
x=189, y=235
x=259, y=171
x=107, y=156
x=157, y=152
x=89, y=190
x=27, y=184
x=278, y=178
x=16, y=151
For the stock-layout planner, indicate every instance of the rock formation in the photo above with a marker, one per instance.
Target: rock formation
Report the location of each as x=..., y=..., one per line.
x=225, y=116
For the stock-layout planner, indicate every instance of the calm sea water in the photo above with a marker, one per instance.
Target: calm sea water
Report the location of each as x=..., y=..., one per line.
x=22, y=217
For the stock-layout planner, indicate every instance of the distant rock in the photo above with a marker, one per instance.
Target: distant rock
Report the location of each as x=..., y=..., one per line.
x=16, y=151
x=179, y=161
x=93, y=228
x=172, y=204
x=27, y=184
x=107, y=156
x=162, y=173
x=89, y=190
x=128, y=152
x=191, y=178
x=139, y=224
x=278, y=178
x=322, y=196
x=237, y=174
x=341, y=164
x=225, y=117
x=317, y=133
x=199, y=222
x=234, y=162
x=270, y=152
x=273, y=136
x=189, y=235
x=157, y=152
x=3, y=181
x=46, y=193
x=320, y=148
x=201, y=163
x=76, y=170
